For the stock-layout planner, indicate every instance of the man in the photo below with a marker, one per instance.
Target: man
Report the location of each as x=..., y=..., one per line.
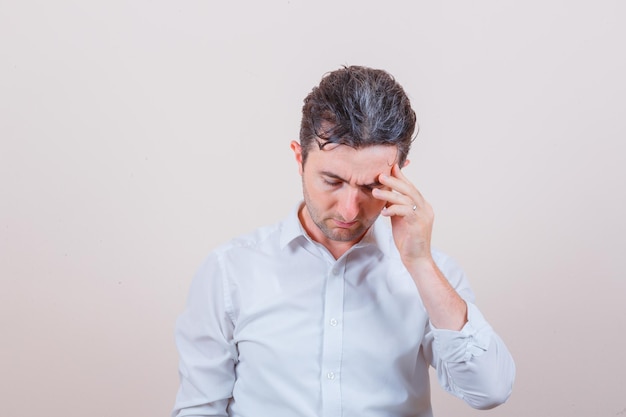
x=333, y=312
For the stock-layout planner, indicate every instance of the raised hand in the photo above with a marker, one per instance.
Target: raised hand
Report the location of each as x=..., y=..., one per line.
x=411, y=216
x=412, y=224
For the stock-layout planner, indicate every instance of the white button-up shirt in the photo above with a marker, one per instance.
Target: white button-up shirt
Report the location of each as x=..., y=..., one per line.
x=275, y=326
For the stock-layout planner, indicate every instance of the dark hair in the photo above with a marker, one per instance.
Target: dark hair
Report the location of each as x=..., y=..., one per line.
x=358, y=106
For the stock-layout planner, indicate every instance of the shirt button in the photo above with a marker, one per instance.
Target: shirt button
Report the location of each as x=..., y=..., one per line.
x=330, y=375
x=333, y=322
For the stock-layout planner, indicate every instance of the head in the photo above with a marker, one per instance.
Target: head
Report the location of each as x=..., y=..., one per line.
x=356, y=125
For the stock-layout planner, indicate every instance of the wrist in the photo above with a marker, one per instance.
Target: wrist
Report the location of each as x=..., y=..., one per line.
x=422, y=264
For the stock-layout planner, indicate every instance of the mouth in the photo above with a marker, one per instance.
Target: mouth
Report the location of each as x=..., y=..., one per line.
x=344, y=225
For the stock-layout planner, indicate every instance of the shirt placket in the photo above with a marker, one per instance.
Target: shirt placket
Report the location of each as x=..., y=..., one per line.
x=333, y=340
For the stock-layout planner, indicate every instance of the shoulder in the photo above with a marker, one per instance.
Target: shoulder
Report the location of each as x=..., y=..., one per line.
x=257, y=237
x=262, y=239
x=239, y=256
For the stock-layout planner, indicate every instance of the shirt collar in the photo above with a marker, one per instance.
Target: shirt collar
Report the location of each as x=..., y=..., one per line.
x=291, y=227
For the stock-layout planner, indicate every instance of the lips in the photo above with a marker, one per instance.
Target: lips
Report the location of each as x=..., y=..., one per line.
x=344, y=225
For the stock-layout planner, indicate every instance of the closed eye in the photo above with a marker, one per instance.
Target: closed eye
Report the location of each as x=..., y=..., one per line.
x=332, y=183
x=331, y=179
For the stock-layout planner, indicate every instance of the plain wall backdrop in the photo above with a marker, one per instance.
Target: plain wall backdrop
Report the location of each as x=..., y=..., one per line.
x=135, y=136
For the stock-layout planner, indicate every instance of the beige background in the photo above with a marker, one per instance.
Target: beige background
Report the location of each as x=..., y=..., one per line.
x=136, y=136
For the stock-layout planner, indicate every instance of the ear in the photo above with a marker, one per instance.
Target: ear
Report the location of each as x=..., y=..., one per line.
x=297, y=151
x=406, y=163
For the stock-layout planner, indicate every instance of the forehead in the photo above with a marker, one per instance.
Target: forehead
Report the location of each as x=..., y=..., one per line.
x=362, y=165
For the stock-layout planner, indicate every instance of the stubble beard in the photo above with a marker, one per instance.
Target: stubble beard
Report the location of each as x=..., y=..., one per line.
x=338, y=234
x=331, y=231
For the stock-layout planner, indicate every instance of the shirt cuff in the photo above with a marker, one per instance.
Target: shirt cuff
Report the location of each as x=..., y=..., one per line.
x=461, y=346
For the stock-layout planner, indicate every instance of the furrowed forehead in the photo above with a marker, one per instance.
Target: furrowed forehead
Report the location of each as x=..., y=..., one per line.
x=371, y=184
x=355, y=166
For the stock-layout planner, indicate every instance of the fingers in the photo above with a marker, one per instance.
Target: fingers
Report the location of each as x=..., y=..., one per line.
x=401, y=195
x=404, y=185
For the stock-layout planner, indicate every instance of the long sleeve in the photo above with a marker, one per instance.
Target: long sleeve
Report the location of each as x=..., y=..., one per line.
x=474, y=363
x=204, y=340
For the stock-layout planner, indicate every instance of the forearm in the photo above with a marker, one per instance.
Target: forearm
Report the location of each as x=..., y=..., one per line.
x=445, y=307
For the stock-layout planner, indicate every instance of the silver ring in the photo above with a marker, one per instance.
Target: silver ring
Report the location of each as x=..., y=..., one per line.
x=414, y=207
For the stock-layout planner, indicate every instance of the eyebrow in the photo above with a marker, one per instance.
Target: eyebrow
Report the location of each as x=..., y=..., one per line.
x=337, y=177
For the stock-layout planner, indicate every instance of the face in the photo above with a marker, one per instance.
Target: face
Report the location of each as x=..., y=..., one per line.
x=337, y=184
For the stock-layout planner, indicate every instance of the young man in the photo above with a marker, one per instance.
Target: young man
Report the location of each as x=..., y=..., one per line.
x=332, y=312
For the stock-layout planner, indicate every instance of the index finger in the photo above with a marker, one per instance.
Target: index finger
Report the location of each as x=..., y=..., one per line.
x=400, y=183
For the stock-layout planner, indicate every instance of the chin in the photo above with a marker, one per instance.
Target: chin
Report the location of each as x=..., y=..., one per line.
x=346, y=235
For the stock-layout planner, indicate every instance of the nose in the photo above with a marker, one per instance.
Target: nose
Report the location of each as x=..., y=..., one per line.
x=349, y=204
